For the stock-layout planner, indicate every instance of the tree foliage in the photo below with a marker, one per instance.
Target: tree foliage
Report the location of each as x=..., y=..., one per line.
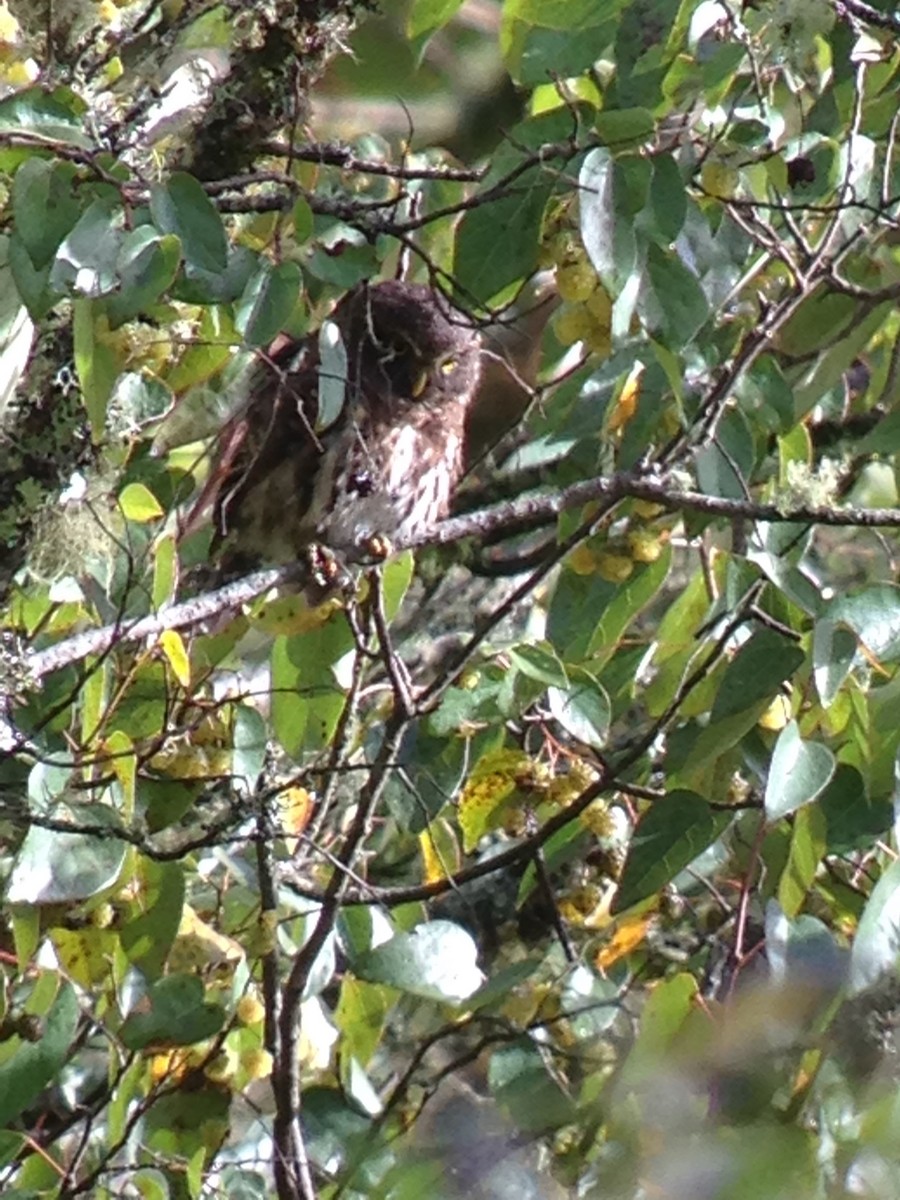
x=560, y=849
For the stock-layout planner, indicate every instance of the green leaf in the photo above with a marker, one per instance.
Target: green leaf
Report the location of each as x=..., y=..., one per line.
x=95, y=364
x=571, y=15
x=303, y=219
x=609, y=242
x=179, y=1015
x=669, y=836
x=436, y=961
x=32, y=285
x=673, y=306
x=820, y=321
x=874, y=615
x=724, y=467
x=151, y=922
x=147, y=266
x=664, y=215
x=808, y=845
x=756, y=673
x=199, y=286
x=250, y=747
x=833, y=653
x=267, y=302
x=485, y=264
x=25, y=1074
x=360, y=1015
x=876, y=945
x=798, y=772
x=521, y=1082
x=182, y=207
x=86, y=262
x=668, y=1006
x=426, y=16
x=582, y=708
x=627, y=601
x=527, y=48
x=57, y=115
x=58, y=868
x=538, y=661
x=855, y=821
x=306, y=700
x=619, y=127
x=45, y=207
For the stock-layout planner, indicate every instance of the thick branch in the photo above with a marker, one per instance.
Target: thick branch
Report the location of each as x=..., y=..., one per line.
x=514, y=516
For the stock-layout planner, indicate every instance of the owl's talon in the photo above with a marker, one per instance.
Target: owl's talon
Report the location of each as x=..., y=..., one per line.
x=329, y=574
x=377, y=549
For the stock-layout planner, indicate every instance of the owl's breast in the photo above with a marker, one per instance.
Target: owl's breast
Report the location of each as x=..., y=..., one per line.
x=395, y=481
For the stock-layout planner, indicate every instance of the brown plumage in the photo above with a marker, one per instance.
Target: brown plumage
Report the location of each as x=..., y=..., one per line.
x=382, y=462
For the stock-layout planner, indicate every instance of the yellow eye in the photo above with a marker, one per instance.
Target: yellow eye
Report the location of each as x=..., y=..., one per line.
x=449, y=365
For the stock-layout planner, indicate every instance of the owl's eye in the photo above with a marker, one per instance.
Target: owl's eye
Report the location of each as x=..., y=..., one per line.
x=449, y=365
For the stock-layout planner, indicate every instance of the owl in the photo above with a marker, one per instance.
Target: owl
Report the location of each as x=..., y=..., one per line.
x=348, y=437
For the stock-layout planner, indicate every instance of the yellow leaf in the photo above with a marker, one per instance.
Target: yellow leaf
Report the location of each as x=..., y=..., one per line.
x=172, y=646
x=491, y=784
x=295, y=807
x=440, y=854
x=628, y=935
x=197, y=944
x=139, y=504
x=85, y=954
x=120, y=749
x=169, y=1065
x=625, y=404
x=287, y=615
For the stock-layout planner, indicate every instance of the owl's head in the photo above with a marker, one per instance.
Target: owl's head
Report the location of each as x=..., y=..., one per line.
x=408, y=344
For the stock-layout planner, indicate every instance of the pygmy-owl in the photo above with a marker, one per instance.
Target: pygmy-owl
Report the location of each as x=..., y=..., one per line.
x=293, y=468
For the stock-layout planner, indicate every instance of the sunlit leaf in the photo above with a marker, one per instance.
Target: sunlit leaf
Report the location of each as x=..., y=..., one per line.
x=139, y=504
x=799, y=771
x=437, y=961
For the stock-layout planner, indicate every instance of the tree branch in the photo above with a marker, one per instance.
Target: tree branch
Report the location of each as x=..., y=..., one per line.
x=522, y=514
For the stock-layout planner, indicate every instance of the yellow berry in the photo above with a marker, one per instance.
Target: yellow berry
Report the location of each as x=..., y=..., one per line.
x=644, y=546
x=599, y=305
x=21, y=73
x=599, y=342
x=777, y=714
x=250, y=1010
x=572, y=325
x=9, y=27
x=582, y=560
x=614, y=568
x=575, y=281
x=564, y=247
x=647, y=509
x=257, y=1063
x=108, y=12
x=223, y=1067
x=597, y=819
x=103, y=916
x=718, y=180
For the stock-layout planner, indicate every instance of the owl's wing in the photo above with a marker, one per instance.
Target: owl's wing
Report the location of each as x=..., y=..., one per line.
x=272, y=431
